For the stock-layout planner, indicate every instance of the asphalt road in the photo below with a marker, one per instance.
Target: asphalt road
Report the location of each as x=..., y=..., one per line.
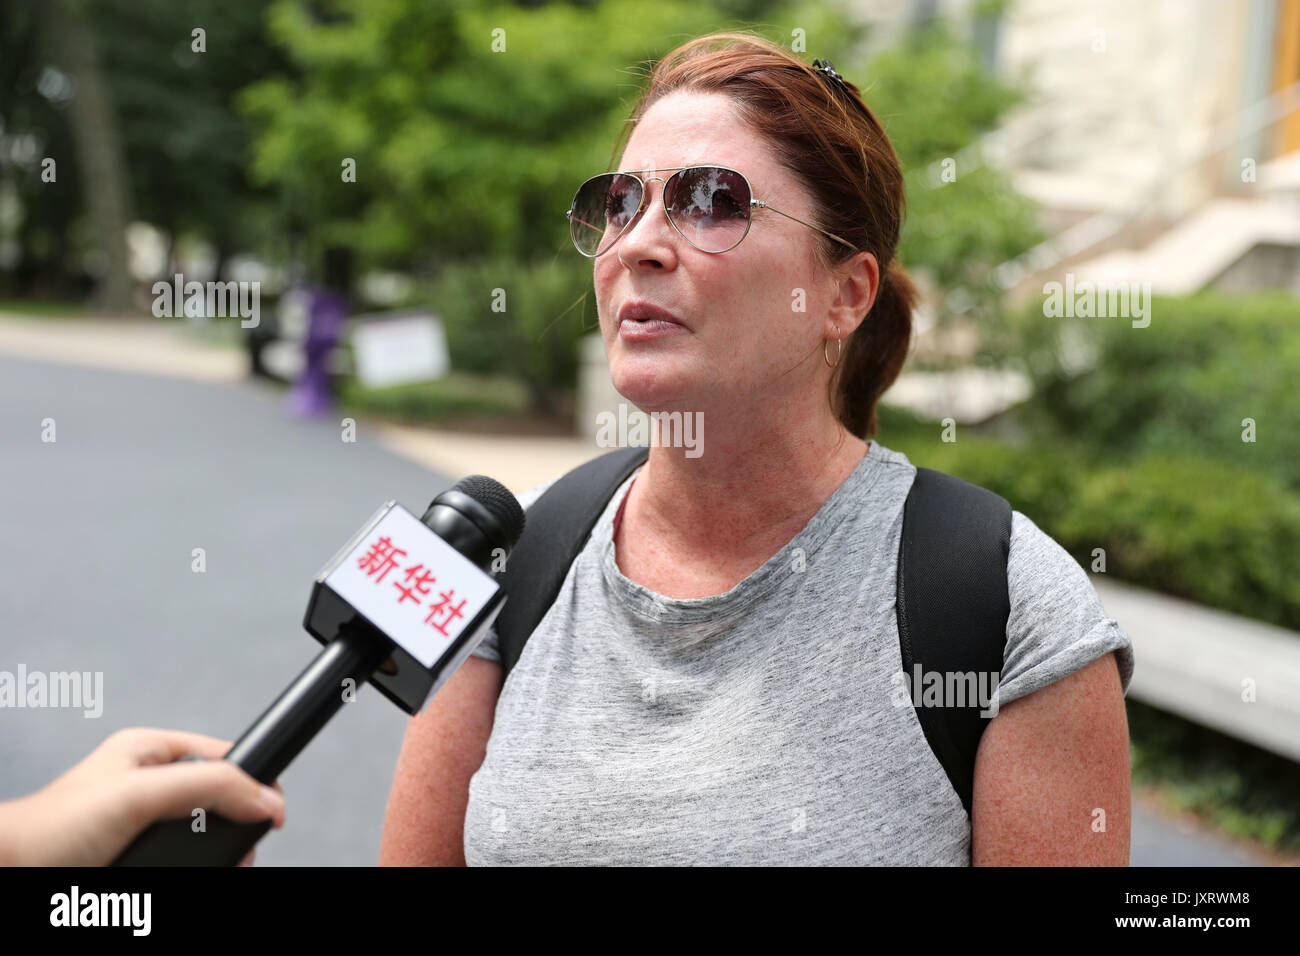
x=96, y=576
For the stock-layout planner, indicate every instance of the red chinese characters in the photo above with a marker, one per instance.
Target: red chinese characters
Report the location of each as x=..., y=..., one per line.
x=417, y=579
x=451, y=612
x=416, y=583
x=381, y=558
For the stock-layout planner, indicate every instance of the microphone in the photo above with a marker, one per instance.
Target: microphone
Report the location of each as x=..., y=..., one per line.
x=368, y=608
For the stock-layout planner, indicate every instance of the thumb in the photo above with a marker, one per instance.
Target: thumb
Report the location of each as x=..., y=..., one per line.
x=169, y=791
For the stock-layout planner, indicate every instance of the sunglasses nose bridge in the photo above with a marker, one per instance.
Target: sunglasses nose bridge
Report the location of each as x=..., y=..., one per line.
x=646, y=203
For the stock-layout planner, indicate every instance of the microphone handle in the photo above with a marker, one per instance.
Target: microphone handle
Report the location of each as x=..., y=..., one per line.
x=263, y=752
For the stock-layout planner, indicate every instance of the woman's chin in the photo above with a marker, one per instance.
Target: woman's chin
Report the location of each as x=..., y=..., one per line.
x=669, y=381
x=647, y=387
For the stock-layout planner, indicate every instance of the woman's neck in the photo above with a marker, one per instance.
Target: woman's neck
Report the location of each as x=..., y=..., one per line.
x=749, y=492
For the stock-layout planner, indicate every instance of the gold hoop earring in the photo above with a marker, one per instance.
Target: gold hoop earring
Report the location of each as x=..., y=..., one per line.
x=838, y=354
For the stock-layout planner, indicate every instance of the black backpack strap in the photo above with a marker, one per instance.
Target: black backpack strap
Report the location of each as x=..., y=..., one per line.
x=953, y=606
x=556, y=530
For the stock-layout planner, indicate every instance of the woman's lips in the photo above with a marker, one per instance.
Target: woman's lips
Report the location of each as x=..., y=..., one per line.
x=635, y=330
x=639, y=319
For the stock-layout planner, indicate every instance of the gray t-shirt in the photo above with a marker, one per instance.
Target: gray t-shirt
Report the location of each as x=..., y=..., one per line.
x=760, y=726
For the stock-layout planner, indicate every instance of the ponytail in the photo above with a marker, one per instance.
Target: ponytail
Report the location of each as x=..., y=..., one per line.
x=874, y=354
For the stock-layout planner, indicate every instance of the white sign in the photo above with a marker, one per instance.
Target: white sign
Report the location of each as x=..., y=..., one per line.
x=399, y=350
x=412, y=585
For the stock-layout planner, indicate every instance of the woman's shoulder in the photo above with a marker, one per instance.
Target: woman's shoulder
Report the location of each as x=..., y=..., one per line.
x=1057, y=624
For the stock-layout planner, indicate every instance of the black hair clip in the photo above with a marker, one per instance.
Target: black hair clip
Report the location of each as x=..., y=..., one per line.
x=824, y=66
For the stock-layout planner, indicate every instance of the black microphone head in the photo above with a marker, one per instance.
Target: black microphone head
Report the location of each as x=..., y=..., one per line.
x=498, y=500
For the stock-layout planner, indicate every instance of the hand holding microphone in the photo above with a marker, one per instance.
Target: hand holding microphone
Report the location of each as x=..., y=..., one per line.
x=401, y=605
x=88, y=815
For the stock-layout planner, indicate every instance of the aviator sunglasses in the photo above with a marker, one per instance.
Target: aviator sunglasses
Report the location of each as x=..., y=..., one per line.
x=709, y=206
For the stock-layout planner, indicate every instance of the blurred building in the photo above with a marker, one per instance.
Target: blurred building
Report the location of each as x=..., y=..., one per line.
x=1161, y=138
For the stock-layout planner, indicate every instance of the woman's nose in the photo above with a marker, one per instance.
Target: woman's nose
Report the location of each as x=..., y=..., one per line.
x=649, y=236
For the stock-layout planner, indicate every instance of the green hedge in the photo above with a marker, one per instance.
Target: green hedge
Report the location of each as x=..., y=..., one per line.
x=545, y=308
x=1182, y=385
x=1191, y=526
x=458, y=396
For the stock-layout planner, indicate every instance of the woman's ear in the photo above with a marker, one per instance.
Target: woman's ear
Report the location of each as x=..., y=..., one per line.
x=857, y=283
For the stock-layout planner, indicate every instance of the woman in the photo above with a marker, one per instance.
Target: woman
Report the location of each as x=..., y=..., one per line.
x=712, y=684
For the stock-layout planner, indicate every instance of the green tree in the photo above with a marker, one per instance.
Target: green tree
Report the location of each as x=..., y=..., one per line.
x=38, y=215
x=470, y=125
x=97, y=142
x=142, y=125
x=936, y=100
x=175, y=70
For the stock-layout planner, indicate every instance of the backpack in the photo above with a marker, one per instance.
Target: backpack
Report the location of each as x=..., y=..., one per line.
x=952, y=601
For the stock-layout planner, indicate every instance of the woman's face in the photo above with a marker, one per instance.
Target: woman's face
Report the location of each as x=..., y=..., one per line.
x=755, y=317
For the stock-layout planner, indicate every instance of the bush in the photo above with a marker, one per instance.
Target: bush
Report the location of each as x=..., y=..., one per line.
x=544, y=311
x=458, y=396
x=1246, y=791
x=1195, y=527
x=1039, y=479
x=1190, y=526
x=1182, y=385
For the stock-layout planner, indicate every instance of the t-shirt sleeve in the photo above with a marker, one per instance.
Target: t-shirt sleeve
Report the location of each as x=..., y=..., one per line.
x=1057, y=624
x=487, y=648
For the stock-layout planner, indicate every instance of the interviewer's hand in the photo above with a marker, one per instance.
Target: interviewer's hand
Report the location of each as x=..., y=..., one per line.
x=90, y=814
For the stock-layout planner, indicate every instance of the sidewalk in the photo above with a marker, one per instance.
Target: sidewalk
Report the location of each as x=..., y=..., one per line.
x=519, y=462
x=179, y=350
x=153, y=346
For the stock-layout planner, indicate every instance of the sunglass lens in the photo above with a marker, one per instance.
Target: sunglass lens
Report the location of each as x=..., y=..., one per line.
x=710, y=206
x=602, y=209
